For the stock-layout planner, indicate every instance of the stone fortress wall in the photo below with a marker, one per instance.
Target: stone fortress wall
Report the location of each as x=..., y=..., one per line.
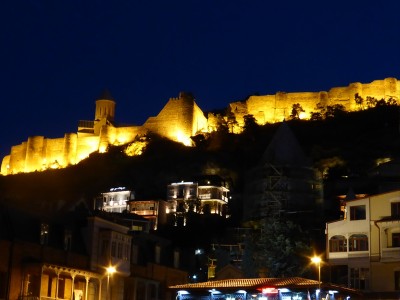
x=180, y=119
x=278, y=107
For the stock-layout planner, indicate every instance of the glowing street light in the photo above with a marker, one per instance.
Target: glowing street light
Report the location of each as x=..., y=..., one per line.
x=317, y=260
x=110, y=270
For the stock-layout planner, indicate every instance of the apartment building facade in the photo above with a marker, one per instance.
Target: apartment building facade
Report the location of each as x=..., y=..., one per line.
x=363, y=249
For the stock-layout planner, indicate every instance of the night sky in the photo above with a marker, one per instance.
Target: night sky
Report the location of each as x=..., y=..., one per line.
x=57, y=56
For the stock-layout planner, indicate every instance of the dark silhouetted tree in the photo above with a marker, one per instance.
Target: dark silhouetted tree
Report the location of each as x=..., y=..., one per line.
x=371, y=102
x=231, y=121
x=297, y=109
x=316, y=116
x=250, y=123
x=334, y=111
x=280, y=248
x=359, y=100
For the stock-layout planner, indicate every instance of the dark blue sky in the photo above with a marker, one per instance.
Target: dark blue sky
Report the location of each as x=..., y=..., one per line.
x=57, y=56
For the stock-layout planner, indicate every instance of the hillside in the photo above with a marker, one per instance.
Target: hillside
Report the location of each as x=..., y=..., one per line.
x=356, y=139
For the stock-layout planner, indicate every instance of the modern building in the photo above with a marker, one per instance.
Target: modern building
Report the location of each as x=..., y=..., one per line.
x=115, y=200
x=363, y=249
x=208, y=195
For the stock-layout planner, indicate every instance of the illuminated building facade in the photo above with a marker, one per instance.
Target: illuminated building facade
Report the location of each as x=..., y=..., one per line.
x=363, y=249
x=179, y=119
x=152, y=210
x=209, y=196
x=115, y=200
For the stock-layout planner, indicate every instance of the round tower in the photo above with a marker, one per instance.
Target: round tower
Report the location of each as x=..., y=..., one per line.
x=105, y=107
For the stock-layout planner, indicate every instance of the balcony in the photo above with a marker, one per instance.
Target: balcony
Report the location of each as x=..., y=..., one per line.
x=390, y=254
x=146, y=212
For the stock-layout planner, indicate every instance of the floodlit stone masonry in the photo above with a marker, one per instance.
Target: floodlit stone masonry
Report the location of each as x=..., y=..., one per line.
x=180, y=119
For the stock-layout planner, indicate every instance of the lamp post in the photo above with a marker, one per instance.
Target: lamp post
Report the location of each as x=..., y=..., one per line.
x=110, y=270
x=317, y=260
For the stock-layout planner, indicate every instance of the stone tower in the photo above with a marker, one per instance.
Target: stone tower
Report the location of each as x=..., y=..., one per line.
x=105, y=107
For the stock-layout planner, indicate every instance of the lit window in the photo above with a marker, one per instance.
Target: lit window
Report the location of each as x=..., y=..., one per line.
x=44, y=234
x=358, y=242
x=337, y=243
x=357, y=212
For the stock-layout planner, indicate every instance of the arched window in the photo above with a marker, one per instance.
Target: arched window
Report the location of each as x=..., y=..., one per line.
x=358, y=242
x=337, y=243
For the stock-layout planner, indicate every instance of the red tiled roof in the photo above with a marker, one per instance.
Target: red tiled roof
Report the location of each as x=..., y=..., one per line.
x=249, y=283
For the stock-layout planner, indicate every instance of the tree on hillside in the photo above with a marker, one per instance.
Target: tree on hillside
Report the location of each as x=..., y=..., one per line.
x=250, y=123
x=389, y=102
x=316, y=116
x=333, y=111
x=222, y=124
x=279, y=248
x=371, y=101
x=231, y=121
x=297, y=109
x=359, y=101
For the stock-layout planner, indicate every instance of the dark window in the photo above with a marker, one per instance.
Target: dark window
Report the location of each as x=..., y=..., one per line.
x=113, y=249
x=397, y=280
x=3, y=284
x=180, y=192
x=358, y=242
x=359, y=278
x=119, y=250
x=395, y=209
x=105, y=251
x=396, y=239
x=337, y=243
x=357, y=212
x=67, y=240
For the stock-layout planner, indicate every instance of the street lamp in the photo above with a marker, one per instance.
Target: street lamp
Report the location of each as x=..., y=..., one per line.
x=317, y=260
x=110, y=270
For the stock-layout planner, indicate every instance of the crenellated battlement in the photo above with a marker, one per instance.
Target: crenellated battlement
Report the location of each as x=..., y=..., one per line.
x=179, y=119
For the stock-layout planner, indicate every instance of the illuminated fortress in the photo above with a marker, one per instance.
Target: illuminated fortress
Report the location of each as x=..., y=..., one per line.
x=180, y=119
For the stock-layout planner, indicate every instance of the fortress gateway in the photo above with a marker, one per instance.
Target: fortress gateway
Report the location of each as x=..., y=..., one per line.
x=180, y=119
